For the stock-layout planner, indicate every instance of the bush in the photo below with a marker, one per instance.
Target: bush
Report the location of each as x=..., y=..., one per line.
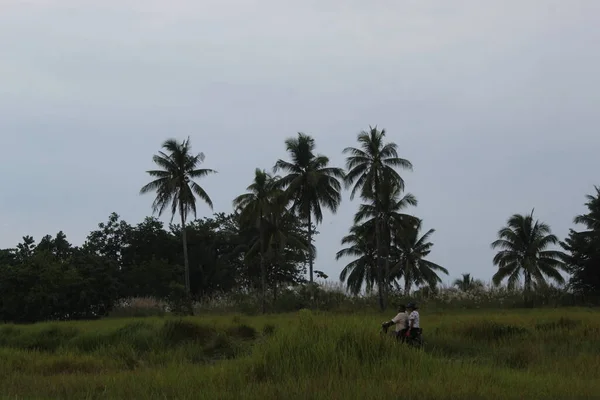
x=180, y=302
x=46, y=289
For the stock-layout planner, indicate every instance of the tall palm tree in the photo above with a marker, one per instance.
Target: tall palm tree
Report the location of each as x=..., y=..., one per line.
x=175, y=187
x=310, y=184
x=369, y=166
x=362, y=270
x=255, y=206
x=523, y=250
x=410, y=251
x=466, y=283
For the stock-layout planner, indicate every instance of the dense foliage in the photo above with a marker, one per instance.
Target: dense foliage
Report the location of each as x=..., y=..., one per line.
x=55, y=280
x=266, y=243
x=583, y=247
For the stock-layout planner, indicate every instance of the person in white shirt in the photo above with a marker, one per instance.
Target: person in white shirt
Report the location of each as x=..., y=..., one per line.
x=414, y=325
x=400, y=320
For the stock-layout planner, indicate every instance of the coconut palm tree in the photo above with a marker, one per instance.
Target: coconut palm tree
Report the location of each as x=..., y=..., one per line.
x=310, y=184
x=255, y=207
x=175, y=186
x=466, y=283
x=392, y=219
x=523, y=250
x=409, y=251
x=362, y=270
x=369, y=168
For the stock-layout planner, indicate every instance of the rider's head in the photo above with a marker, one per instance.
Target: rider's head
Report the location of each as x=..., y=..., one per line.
x=411, y=306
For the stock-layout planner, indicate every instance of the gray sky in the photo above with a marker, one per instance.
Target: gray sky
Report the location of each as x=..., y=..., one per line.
x=495, y=102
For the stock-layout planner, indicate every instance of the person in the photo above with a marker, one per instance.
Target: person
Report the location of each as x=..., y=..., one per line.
x=400, y=320
x=414, y=325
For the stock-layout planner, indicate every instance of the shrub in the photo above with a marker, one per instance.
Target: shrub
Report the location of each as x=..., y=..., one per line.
x=180, y=302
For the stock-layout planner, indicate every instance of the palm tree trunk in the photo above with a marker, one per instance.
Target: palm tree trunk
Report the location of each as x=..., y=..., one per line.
x=407, y=280
x=310, y=257
x=388, y=246
x=380, y=266
x=378, y=242
x=310, y=254
x=186, y=261
x=263, y=279
x=280, y=261
x=263, y=271
x=527, y=289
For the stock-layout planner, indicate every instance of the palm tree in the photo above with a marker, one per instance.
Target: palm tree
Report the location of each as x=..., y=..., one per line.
x=591, y=220
x=410, y=251
x=583, y=247
x=254, y=207
x=523, y=250
x=362, y=270
x=310, y=184
x=393, y=221
x=282, y=235
x=369, y=166
x=467, y=283
x=175, y=187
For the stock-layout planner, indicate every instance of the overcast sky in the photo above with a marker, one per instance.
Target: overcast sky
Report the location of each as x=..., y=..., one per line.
x=495, y=102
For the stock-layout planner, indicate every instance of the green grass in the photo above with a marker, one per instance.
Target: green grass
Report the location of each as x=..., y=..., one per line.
x=525, y=354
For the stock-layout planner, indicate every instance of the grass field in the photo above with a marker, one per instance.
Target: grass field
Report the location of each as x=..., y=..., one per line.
x=524, y=354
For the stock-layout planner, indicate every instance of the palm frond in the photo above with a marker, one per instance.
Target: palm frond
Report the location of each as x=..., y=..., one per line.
x=175, y=187
x=522, y=246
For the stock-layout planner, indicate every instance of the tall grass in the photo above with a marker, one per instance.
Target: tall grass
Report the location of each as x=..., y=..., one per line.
x=533, y=354
x=333, y=298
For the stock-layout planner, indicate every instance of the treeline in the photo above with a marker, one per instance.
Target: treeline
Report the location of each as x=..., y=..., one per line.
x=266, y=243
x=52, y=279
